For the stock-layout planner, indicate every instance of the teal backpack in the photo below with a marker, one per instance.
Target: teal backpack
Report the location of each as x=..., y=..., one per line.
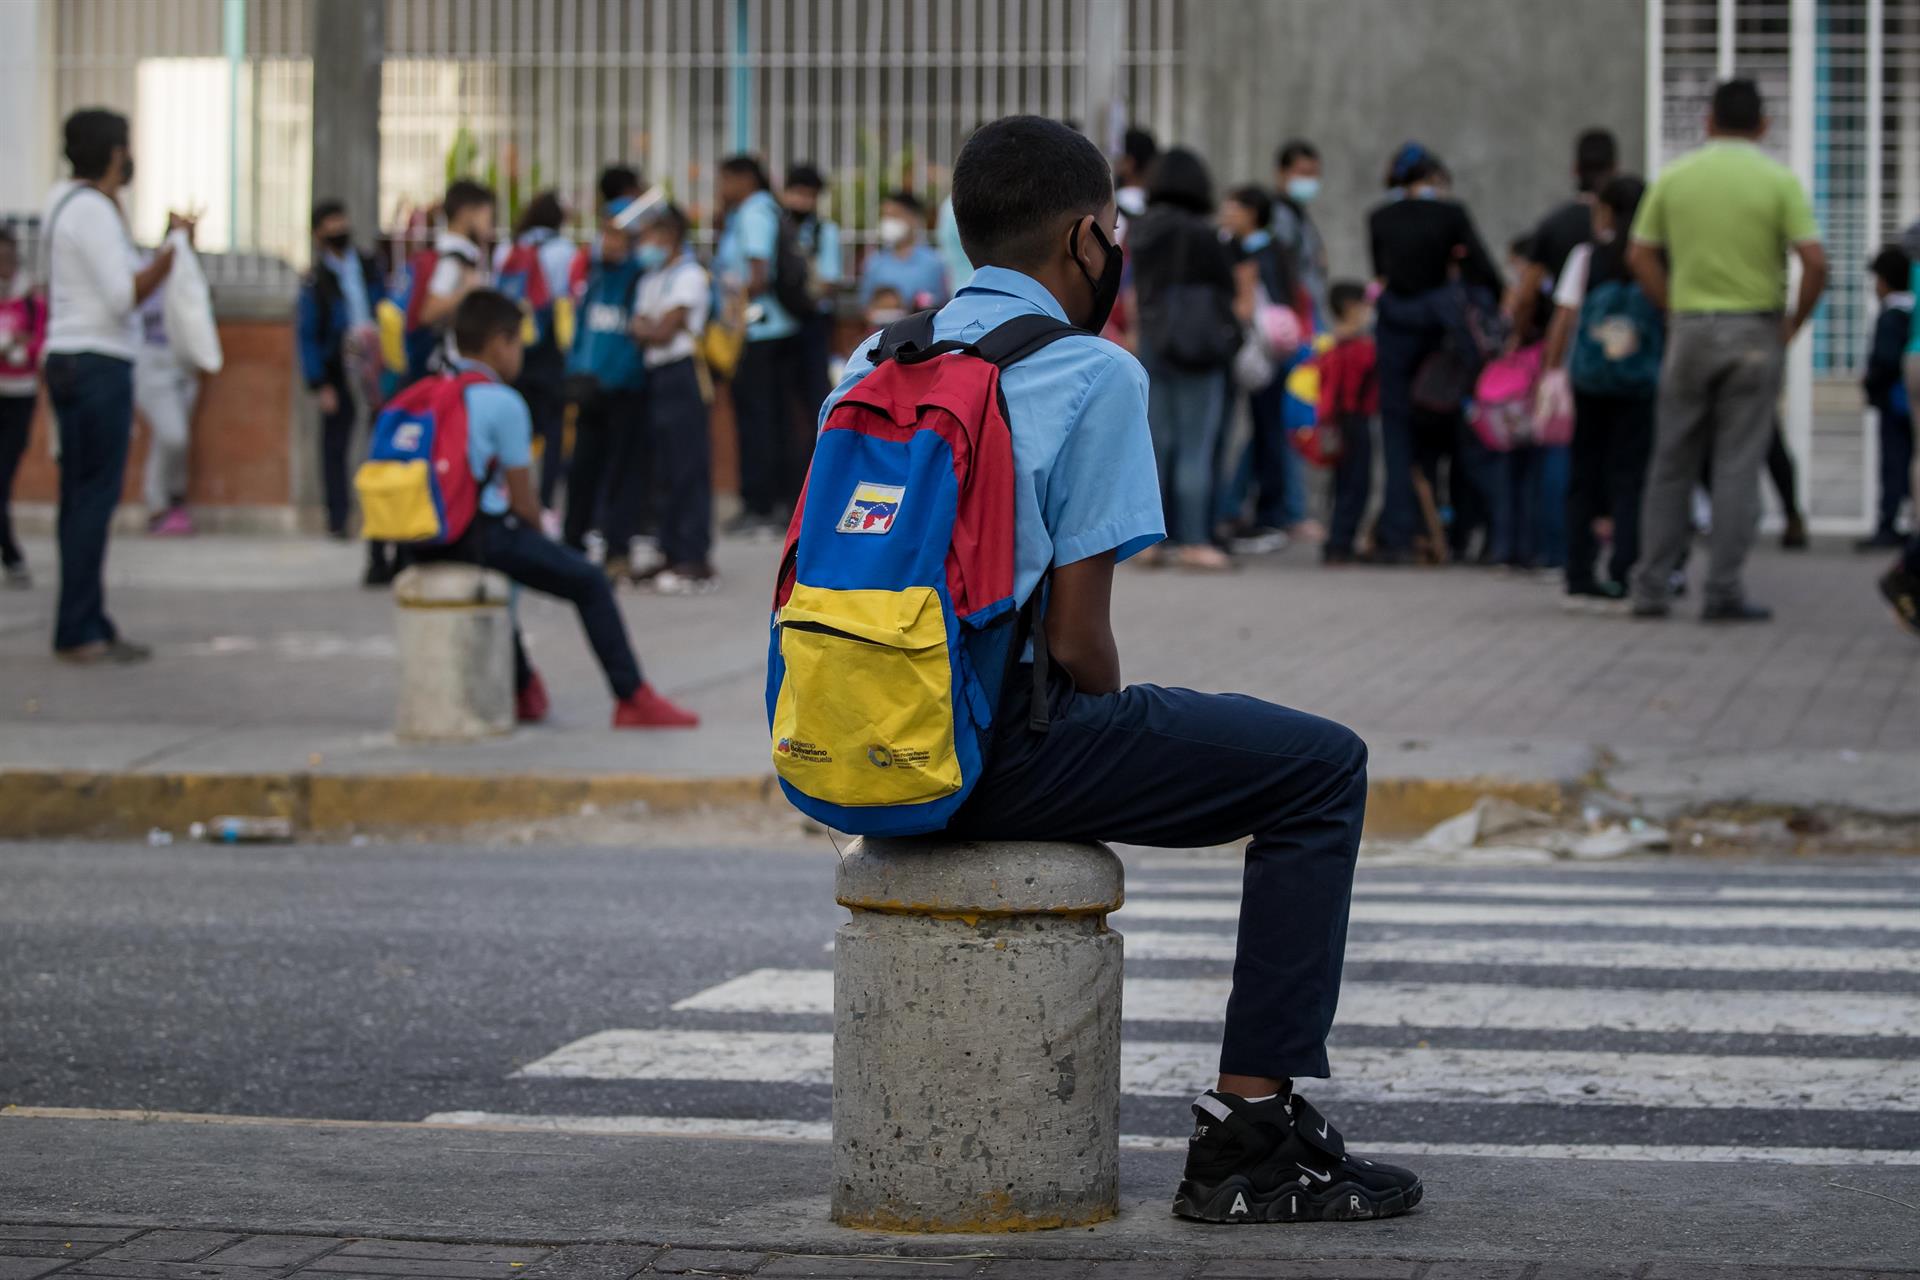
x=1619, y=343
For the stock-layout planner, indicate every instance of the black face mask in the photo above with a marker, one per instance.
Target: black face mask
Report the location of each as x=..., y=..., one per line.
x=1106, y=290
x=126, y=171
x=339, y=242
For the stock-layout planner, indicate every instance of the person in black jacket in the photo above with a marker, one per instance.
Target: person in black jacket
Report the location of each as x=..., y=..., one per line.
x=1887, y=392
x=335, y=320
x=1424, y=249
x=1183, y=277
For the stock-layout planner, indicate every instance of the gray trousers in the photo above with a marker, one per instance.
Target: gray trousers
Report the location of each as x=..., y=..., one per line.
x=1720, y=384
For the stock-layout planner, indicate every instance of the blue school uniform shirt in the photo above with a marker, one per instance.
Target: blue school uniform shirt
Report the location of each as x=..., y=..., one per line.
x=752, y=232
x=1085, y=480
x=499, y=432
x=920, y=278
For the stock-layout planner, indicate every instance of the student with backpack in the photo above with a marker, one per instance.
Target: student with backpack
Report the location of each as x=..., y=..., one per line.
x=759, y=260
x=942, y=653
x=1611, y=338
x=1886, y=393
x=606, y=488
x=534, y=271
x=668, y=316
x=439, y=277
x=474, y=500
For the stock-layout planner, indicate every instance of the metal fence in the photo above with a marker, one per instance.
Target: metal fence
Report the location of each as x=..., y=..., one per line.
x=531, y=94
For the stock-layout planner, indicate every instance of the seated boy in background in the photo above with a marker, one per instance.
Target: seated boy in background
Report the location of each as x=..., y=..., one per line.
x=505, y=534
x=1349, y=400
x=1139, y=764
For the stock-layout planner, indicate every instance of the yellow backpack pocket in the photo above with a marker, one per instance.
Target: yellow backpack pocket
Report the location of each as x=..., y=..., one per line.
x=864, y=715
x=396, y=501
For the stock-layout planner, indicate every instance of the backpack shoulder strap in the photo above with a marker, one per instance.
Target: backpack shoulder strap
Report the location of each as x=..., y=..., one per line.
x=1018, y=338
x=911, y=338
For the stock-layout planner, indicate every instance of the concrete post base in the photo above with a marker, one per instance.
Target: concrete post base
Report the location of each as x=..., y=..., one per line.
x=456, y=654
x=976, y=1045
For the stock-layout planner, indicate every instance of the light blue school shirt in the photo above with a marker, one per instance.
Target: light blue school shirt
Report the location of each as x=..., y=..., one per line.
x=1085, y=480
x=752, y=233
x=820, y=240
x=499, y=431
x=920, y=278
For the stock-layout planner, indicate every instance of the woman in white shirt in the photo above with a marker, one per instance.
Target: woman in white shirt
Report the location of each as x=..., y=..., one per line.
x=669, y=311
x=95, y=283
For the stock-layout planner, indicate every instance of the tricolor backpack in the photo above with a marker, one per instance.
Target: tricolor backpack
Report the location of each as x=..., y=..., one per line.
x=522, y=278
x=894, y=621
x=417, y=484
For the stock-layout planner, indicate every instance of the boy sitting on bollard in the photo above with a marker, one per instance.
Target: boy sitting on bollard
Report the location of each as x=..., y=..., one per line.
x=1070, y=753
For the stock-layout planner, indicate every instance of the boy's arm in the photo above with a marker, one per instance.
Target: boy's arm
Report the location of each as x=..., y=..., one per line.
x=523, y=497
x=658, y=332
x=437, y=308
x=1080, y=624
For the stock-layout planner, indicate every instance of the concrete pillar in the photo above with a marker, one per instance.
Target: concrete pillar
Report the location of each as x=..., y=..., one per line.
x=29, y=134
x=349, y=40
x=456, y=654
x=976, y=1046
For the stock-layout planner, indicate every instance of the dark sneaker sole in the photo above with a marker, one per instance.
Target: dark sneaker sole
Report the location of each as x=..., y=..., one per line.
x=1910, y=625
x=1236, y=1201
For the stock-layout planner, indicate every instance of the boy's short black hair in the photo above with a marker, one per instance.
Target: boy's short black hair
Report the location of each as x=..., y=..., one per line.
x=1180, y=178
x=1018, y=181
x=1893, y=268
x=1344, y=295
x=618, y=181
x=1595, y=156
x=326, y=207
x=544, y=210
x=465, y=194
x=482, y=316
x=806, y=177
x=1294, y=150
x=747, y=166
x=673, y=217
x=906, y=200
x=1139, y=146
x=91, y=135
x=1738, y=107
x=1255, y=199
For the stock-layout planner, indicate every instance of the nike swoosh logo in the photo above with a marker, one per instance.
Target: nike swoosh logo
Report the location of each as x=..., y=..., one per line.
x=1323, y=1129
x=1324, y=1177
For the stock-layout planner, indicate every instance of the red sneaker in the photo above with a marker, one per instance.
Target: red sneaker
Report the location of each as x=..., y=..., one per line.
x=647, y=709
x=530, y=705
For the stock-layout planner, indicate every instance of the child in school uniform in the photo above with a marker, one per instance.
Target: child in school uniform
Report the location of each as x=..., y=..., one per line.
x=670, y=312
x=1349, y=402
x=1034, y=204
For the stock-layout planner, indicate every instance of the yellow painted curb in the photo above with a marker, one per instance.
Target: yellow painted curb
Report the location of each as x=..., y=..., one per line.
x=44, y=803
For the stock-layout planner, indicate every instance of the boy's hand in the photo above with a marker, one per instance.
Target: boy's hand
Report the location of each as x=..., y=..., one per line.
x=328, y=399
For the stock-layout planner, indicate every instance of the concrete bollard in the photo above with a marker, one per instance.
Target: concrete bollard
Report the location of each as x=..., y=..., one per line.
x=976, y=1036
x=456, y=653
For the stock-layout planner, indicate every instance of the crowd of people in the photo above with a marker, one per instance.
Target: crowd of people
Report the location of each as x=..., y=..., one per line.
x=1581, y=410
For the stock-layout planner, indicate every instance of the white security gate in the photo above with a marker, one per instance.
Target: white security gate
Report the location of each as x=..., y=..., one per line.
x=1842, y=83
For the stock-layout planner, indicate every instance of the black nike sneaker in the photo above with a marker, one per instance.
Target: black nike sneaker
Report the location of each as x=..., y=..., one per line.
x=1280, y=1161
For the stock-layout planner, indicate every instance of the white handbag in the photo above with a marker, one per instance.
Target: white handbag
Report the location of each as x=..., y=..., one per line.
x=191, y=330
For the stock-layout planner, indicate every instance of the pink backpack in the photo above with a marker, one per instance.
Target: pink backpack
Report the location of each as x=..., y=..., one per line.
x=23, y=328
x=1503, y=400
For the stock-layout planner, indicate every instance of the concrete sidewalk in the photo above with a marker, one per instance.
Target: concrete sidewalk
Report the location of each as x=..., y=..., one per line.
x=586, y=1206
x=274, y=682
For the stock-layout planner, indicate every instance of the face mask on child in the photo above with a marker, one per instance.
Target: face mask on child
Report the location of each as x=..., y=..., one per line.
x=651, y=256
x=1302, y=190
x=895, y=231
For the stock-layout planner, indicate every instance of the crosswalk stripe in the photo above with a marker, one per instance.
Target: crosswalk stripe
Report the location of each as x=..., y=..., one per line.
x=1148, y=944
x=1714, y=897
x=1503, y=913
x=1482, y=1006
x=1177, y=1068
x=822, y=1131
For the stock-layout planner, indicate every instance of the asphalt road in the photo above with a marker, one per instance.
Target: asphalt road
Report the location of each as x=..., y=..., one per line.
x=1666, y=1005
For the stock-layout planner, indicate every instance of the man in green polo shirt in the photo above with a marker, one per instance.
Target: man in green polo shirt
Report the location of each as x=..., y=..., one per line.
x=1710, y=245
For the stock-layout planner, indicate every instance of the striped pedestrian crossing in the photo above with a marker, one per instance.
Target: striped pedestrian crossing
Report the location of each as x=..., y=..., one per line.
x=1424, y=1004
x=1653, y=1012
